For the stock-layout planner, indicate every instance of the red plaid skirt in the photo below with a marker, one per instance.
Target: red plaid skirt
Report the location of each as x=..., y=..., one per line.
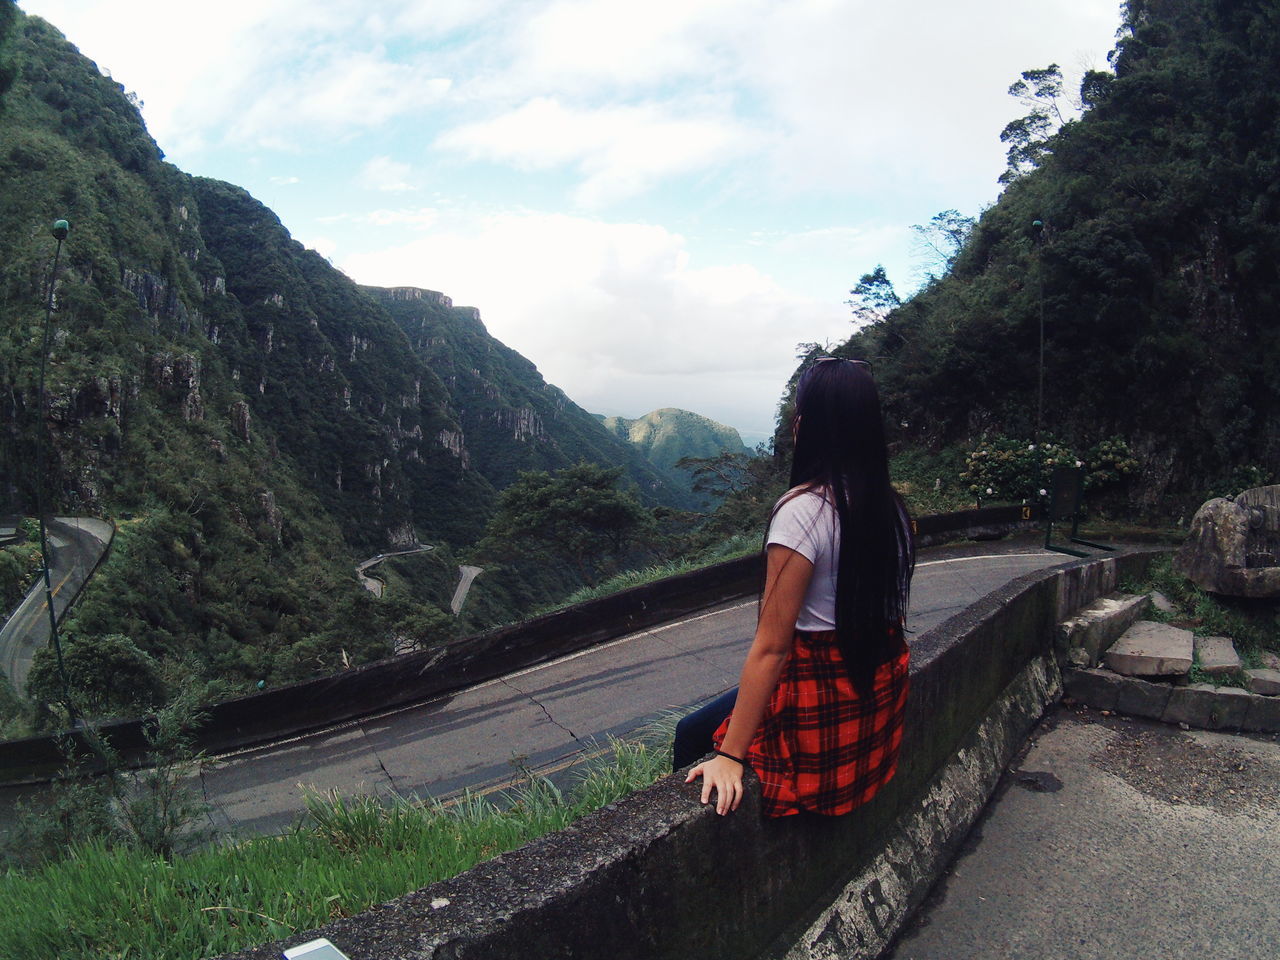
x=821, y=747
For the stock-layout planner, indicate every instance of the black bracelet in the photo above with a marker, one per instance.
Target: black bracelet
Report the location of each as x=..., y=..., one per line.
x=730, y=756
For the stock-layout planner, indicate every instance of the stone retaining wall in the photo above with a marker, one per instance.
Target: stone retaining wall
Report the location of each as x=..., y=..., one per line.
x=660, y=876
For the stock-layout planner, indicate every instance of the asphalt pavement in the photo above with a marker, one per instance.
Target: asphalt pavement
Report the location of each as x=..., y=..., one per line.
x=1111, y=838
x=552, y=716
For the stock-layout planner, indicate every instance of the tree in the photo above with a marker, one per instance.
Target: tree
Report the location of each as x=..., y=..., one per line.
x=107, y=677
x=939, y=242
x=717, y=476
x=1028, y=136
x=577, y=515
x=873, y=297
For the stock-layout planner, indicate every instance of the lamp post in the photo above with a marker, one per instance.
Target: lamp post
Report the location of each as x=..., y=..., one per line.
x=1037, y=232
x=59, y=232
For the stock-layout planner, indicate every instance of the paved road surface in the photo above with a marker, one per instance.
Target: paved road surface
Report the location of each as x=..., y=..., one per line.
x=75, y=545
x=546, y=717
x=465, y=575
x=1113, y=838
x=374, y=585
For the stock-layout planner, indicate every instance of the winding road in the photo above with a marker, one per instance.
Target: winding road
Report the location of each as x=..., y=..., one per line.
x=551, y=717
x=76, y=544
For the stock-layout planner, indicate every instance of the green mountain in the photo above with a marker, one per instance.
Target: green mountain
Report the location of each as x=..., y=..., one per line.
x=510, y=419
x=1155, y=267
x=260, y=419
x=665, y=436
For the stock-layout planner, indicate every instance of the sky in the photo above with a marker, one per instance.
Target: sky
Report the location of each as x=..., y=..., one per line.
x=654, y=202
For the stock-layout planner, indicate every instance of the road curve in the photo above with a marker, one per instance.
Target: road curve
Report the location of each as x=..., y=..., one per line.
x=76, y=544
x=549, y=717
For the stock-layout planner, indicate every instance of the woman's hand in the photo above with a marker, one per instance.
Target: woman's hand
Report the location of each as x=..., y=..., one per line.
x=725, y=777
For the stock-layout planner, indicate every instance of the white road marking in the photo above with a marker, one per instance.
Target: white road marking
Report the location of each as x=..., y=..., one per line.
x=985, y=556
x=405, y=708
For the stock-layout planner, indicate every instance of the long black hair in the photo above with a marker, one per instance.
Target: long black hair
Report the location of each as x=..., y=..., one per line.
x=840, y=452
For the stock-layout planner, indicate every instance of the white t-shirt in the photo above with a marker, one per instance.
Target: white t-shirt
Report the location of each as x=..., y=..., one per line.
x=807, y=524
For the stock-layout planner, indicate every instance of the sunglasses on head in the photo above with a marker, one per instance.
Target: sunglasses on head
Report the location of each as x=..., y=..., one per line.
x=862, y=363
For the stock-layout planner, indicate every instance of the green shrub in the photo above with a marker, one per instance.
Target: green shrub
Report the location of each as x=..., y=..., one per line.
x=1003, y=468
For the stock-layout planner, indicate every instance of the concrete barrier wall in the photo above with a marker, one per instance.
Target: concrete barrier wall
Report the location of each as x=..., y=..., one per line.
x=313, y=704
x=660, y=876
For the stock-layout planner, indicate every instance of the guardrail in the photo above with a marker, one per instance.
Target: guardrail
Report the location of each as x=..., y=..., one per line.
x=658, y=875
x=411, y=678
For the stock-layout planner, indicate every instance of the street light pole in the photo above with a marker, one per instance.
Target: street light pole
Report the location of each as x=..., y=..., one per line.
x=59, y=231
x=1037, y=227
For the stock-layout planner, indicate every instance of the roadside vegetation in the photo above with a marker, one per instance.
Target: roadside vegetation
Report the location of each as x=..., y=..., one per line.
x=103, y=891
x=1253, y=625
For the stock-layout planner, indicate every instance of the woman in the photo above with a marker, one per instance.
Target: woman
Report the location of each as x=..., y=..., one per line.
x=818, y=711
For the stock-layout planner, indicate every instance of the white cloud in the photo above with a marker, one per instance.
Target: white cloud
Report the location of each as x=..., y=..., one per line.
x=578, y=45
x=618, y=314
x=275, y=73
x=620, y=151
x=387, y=175
x=417, y=218
x=284, y=181
x=334, y=92
x=830, y=126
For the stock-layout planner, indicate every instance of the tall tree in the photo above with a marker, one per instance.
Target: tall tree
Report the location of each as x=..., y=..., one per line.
x=938, y=242
x=873, y=297
x=1028, y=136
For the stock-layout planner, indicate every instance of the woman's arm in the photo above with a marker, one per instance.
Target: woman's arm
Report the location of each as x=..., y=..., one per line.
x=787, y=576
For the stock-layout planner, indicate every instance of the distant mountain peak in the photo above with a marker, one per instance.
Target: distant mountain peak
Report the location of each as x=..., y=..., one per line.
x=668, y=434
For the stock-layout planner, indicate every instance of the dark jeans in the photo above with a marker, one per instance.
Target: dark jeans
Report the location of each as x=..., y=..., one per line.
x=693, y=733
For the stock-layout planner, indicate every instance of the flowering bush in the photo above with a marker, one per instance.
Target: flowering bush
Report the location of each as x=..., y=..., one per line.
x=1006, y=469
x=1109, y=461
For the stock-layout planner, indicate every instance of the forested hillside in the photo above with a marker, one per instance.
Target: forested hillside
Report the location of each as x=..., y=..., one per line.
x=510, y=419
x=1147, y=235
x=254, y=419
x=669, y=435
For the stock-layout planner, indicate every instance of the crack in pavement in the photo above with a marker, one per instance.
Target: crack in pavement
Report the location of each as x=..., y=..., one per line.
x=693, y=654
x=545, y=712
x=364, y=735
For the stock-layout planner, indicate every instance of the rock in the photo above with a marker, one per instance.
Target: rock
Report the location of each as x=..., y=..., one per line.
x=1264, y=681
x=1217, y=655
x=1233, y=546
x=1142, y=698
x=1264, y=714
x=1149, y=649
x=271, y=513
x=1207, y=709
x=1162, y=603
x=1097, y=688
x=1079, y=657
x=240, y=419
x=1269, y=660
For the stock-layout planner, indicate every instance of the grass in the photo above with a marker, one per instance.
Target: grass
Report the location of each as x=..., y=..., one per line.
x=737, y=546
x=347, y=855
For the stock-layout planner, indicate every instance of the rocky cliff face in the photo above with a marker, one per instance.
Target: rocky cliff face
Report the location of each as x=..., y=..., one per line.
x=184, y=307
x=261, y=416
x=508, y=418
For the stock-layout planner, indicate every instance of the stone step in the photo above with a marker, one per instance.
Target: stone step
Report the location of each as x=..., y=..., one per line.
x=1150, y=649
x=1199, y=705
x=1217, y=655
x=1094, y=628
x=1264, y=681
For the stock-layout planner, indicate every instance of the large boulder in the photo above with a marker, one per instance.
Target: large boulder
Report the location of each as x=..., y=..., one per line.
x=1234, y=545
